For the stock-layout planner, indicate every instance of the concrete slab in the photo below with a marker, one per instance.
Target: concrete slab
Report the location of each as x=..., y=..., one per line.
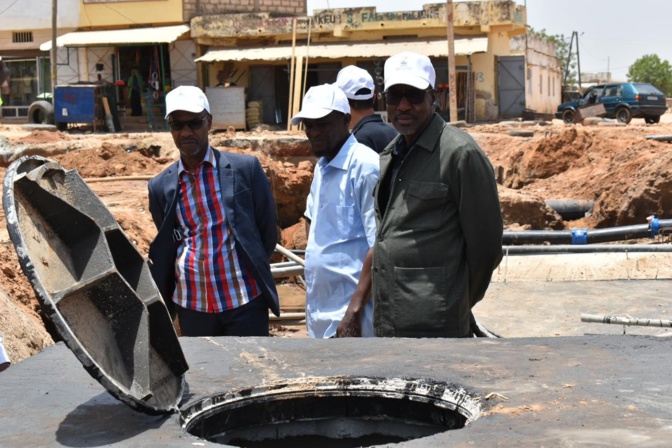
x=567, y=391
x=552, y=308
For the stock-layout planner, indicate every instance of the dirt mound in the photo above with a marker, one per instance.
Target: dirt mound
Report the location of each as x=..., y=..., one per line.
x=23, y=331
x=111, y=160
x=39, y=136
x=545, y=157
x=527, y=211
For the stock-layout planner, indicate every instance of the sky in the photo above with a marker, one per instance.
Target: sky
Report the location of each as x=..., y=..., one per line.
x=612, y=33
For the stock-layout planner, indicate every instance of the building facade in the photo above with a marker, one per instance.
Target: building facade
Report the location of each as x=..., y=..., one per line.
x=99, y=41
x=278, y=58
x=275, y=52
x=543, y=73
x=24, y=25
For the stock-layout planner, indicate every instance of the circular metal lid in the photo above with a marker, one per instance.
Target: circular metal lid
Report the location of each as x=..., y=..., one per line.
x=93, y=285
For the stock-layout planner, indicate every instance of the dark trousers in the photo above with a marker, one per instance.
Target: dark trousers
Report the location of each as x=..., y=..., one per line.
x=250, y=319
x=136, y=104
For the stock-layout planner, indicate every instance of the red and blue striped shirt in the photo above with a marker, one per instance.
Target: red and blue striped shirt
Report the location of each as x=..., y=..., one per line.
x=210, y=275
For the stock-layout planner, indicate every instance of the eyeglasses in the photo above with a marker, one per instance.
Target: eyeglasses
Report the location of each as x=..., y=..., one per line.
x=412, y=95
x=193, y=124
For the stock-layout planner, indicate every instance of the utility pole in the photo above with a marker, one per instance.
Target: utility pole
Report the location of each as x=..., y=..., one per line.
x=452, y=79
x=52, y=51
x=578, y=59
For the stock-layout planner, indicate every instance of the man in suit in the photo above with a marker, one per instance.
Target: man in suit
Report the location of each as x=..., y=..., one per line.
x=217, y=229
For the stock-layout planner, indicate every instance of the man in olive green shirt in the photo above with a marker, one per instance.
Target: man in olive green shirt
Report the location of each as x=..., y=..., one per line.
x=439, y=222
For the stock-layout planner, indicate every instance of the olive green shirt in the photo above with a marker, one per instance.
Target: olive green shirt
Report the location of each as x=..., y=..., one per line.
x=439, y=235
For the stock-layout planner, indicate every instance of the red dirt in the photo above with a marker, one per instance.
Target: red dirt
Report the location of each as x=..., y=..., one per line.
x=626, y=175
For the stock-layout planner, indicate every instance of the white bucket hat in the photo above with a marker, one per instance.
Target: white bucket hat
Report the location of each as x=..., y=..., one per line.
x=320, y=101
x=351, y=79
x=412, y=69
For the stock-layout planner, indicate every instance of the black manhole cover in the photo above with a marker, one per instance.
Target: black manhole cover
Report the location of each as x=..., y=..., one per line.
x=331, y=412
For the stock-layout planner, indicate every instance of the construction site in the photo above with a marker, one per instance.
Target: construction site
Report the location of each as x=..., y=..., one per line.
x=576, y=315
x=549, y=378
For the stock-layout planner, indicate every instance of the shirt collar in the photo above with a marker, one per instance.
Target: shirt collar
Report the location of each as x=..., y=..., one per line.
x=342, y=159
x=209, y=158
x=431, y=133
x=367, y=119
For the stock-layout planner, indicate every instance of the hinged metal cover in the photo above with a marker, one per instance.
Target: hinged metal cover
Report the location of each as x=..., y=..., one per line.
x=93, y=284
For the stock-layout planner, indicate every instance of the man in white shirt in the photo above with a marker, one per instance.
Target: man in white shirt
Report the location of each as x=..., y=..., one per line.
x=342, y=228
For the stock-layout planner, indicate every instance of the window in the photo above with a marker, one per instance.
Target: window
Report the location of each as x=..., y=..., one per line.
x=612, y=91
x=548, y=90
x=22, y=88
x=21, y=37
x=541, y=83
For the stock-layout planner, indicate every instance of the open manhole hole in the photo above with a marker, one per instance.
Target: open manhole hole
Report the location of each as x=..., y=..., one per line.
x=334, y=412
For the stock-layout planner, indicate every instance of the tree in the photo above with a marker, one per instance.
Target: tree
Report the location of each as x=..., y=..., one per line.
x=649, y=68
x=562, y=51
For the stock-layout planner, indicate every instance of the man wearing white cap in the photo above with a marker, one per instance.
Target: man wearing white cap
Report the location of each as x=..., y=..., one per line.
x=341, y=224
x=437, y=209
x=217, y=230
x=368, y=127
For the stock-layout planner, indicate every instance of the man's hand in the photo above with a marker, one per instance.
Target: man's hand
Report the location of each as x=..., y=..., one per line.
x=350, y=326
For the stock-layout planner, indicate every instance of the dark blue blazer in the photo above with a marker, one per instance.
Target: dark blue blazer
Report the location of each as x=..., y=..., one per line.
x=250, y=213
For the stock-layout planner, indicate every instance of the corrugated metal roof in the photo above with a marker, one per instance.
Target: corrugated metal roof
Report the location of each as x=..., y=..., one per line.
x=435, y=47
x=158, y=35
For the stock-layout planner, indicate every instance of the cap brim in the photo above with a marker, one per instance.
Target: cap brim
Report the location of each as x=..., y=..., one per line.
x=194, y=110
x=312, y=113
x=406, y=79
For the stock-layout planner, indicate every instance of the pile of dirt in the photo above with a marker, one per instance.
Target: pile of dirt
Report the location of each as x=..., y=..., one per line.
x=625, y=175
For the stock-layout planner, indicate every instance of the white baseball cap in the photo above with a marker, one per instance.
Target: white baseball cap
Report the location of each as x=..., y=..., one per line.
x=187, y=98
x=352, y=78
x=320, y=101
x=412, y=69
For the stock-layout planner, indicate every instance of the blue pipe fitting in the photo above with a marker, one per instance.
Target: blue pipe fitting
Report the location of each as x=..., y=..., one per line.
x=579, y=236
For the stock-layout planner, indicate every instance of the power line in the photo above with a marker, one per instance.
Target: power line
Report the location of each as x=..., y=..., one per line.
x=3, y=11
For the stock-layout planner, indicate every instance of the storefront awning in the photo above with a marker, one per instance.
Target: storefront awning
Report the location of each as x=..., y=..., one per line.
x=115, y=38
x=434, y=48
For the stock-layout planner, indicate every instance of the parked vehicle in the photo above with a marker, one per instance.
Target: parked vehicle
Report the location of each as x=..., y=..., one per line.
x=622, y=101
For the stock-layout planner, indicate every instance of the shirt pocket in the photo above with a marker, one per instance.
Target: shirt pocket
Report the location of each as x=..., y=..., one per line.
x=337, y=223
x=426, y=205
x=420, y=301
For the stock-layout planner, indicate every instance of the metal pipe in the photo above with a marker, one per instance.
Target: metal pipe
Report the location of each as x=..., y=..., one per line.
x=289, y=271
x=288, y=316
x=638, y=321
x=571, y=208
x=289, y=254
x=284, y=264
x=585, y=249
x=593, y=235
x=537, y=236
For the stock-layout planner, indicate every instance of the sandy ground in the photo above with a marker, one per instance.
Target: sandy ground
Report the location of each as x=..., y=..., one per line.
x=615, y=166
